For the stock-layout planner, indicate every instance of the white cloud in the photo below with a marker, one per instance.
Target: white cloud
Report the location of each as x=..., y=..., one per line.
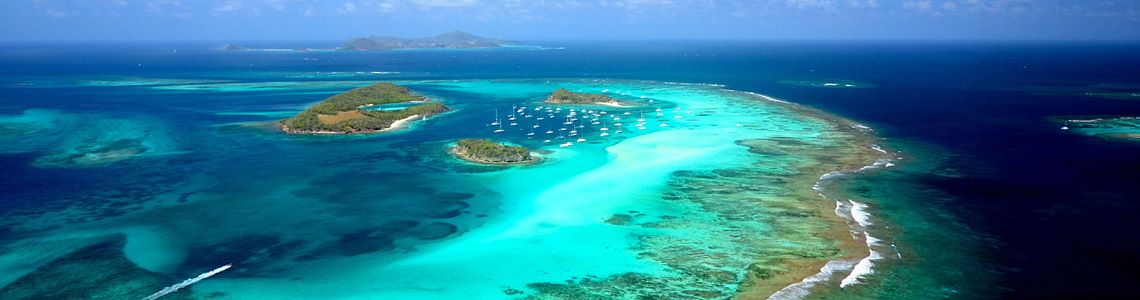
x=51, y=12
x=919, y=5
x=386, y=7
x=825, y=4
x=950, y=5
x=445, y=3
x=863, y=3
x=346, y=8
x=153, y=8
x=277, y=5
x=229, y=6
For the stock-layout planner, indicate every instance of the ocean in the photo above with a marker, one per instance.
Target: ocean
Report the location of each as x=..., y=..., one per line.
x=129, y=167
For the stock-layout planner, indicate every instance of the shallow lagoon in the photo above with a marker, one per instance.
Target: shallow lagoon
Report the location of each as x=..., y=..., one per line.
x=698, y=207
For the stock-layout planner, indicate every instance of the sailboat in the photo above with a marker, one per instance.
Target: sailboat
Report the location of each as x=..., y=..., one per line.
x=496, y=122
x=512, y=116
x=583, y=137
x=500, y=128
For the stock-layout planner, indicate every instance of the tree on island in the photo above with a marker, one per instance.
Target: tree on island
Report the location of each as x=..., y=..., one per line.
x=342, y=113
x=486, y=151
x=564, y=96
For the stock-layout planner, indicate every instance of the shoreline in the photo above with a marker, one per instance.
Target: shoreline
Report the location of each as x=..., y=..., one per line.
x=614, y=104
x=536, y=159
x=398, y=124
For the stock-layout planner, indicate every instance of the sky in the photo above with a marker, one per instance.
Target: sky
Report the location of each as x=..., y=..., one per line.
x=300, y=20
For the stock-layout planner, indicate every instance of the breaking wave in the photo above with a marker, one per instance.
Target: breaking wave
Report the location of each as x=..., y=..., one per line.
x=858, y=219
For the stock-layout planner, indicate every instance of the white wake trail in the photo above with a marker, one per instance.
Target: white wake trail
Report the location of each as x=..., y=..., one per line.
x=187, y=282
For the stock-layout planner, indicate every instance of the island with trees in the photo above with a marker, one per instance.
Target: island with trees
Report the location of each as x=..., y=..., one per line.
x=346, y=112
x=489, y=152
x=233, y=47
x=564, y=96
x=452, y=40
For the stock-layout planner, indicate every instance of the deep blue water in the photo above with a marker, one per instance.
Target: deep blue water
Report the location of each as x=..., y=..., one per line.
x=1054, y=210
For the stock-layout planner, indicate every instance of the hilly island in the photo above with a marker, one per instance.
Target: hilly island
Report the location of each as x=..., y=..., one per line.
x=488, y=152
x=352, y=111
x=451, y=40
x=564, y=96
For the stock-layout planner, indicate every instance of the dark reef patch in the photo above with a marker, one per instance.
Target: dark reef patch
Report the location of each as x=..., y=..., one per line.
x=433, y=231
x=619, y=219
x=363, y=241
x=99, y=271
x=250, y=254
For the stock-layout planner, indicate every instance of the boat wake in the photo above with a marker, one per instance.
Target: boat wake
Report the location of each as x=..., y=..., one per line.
x=187, y=282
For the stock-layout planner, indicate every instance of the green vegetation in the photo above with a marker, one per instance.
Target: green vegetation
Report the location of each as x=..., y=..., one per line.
x=342, y=114
x=485, y=151
x=451, y=40
x=564, y=96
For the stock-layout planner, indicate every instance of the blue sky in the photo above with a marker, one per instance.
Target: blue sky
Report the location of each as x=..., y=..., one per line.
x=236, y=20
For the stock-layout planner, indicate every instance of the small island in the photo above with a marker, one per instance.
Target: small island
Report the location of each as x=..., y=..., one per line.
x=1123, y=128
x=232, y=47
x=350, y=112
x=452, y=40
x=488, y=152
x=564, y=96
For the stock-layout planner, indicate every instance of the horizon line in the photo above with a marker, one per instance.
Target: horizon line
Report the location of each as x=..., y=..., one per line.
x=684, y=39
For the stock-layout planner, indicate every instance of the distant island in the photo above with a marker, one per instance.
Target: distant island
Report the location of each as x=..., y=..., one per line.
x=564, y=96
x=232, y=47
x=488, y=152
x=455, y=39
x=1125, y=128
x=350, y=112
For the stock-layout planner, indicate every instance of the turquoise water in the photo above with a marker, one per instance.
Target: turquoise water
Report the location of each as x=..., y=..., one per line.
x=391, y=106
x=127, y=168
x=393, y=215
x=1119, y=127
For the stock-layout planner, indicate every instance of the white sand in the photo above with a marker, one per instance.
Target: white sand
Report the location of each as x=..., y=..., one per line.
x=400, y=123
x=613, y=104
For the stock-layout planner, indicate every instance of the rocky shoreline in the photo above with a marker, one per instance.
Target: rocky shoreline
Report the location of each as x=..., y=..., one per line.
x=491, y=153
x=395, y=125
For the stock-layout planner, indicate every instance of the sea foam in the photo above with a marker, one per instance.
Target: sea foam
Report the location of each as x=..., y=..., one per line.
x=802, y=289
x=851, y=211
x=865, y=266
